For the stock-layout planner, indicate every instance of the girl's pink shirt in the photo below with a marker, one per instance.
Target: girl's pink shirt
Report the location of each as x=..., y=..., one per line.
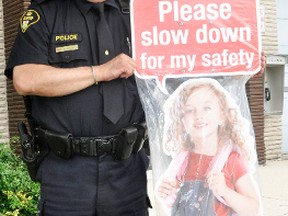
x=197, y=169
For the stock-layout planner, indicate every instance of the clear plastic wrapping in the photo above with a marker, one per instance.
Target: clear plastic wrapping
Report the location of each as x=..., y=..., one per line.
x=193, y=61
x=202, y=146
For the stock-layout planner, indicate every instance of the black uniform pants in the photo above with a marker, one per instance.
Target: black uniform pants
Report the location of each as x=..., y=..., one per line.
x=93, y=186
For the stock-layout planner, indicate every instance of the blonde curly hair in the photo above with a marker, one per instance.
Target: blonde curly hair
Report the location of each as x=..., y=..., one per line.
x=235, y=127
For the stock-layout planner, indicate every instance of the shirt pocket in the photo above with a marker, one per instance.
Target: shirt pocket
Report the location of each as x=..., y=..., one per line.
x=68, y=54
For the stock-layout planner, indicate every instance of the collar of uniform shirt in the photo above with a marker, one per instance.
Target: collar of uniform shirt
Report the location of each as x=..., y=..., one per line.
x=85, y=6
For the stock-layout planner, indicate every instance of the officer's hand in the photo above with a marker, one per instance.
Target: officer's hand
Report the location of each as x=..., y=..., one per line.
x=263, y=65
x=122, y=66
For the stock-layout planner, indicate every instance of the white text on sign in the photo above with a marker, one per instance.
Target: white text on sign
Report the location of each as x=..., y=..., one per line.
x=197, y=12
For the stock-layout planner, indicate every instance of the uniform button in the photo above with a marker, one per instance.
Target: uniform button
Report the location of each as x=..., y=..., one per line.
x=106, y=52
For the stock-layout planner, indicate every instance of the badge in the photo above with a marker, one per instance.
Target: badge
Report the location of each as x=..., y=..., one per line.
x=66, y=38
x=67, y=48
x=30, y=17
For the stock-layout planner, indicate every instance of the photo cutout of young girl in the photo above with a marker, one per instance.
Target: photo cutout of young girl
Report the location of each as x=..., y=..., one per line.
x=213, y=154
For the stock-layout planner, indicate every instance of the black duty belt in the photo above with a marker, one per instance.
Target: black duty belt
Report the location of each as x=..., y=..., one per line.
x=130, y=140
x=94, y=146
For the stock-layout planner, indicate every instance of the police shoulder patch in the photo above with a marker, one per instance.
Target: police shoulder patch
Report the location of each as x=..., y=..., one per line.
x=30, y=17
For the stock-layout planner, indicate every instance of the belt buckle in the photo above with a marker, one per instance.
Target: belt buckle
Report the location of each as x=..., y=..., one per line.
x=85, y=147
x=104, y=146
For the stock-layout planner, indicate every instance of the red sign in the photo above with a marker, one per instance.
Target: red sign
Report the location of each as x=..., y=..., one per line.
x=173, y=38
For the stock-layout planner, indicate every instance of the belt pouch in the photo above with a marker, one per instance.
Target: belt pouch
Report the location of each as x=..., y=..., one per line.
x=141, y=137
x=59, y=144
x=126, y=143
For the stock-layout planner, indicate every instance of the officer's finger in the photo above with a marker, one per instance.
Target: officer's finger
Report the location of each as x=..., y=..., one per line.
x=129, y=71
x=125, y=74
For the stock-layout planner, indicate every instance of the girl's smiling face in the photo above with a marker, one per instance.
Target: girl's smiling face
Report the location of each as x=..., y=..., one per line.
x=202, y=114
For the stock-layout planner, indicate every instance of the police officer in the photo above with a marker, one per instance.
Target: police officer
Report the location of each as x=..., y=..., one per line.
x=57, y=60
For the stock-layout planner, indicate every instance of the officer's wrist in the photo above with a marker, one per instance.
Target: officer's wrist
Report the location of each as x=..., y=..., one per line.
x=94, y=75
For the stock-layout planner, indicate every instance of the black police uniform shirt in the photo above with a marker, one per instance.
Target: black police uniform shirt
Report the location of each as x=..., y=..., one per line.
x=62, y=34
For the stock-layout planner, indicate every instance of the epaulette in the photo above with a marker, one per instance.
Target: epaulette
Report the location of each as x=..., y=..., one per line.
x=125, y=6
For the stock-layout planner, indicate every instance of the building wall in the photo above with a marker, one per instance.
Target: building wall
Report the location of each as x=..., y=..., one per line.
x=12, y=13
x=282, y=23
x=255, y=86
x=255, y=94
x=4, y=128
x=273, y=120
x=273, y=136
x=269, y=29
x=285, y=113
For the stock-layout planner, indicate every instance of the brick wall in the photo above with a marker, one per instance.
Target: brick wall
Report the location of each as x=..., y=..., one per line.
x=255, y=86
x=273, y=123
x=4, y=129
x=269, y=35
x=273, y=136
x=12, y=12
x=255, y=94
